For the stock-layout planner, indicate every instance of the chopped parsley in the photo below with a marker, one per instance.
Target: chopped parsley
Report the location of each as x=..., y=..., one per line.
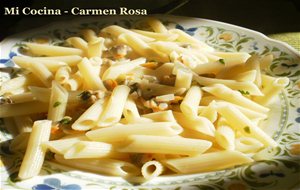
x=222, y=61
x=85, y=95
x=247, y=129
x=66, y=120
x=244, y=92
x=56, y=104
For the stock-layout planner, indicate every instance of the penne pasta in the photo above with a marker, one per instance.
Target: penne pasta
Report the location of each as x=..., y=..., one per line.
x=50, y=50
x=119, y=132
x=207, y=162
x=35, y=153
x=166, y=145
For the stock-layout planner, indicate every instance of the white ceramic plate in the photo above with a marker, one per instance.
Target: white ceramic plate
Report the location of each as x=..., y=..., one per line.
x=281, y=167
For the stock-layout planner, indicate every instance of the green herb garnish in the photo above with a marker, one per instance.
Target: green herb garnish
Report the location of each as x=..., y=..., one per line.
x=56, y=104
x=222, y=61
x=247, y=129
x=244, y=92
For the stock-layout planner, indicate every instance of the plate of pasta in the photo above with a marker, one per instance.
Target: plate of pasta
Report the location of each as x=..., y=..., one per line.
x=160, y=102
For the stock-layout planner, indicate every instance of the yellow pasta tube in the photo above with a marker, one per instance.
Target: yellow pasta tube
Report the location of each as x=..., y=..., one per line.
x=130, y=111
x=50, y=50
x=119, y=132
x=165, y=145
x=35, y=152
x=19, y=98
x=51, y=64
x=13, y=84
x=200, y=124
x=95, y=47
x=191, y=101
x=225, y=93
x=152, y=169
x=62, y=145
x=114, y=71
x=12, y=110
x=248, y=145
x=225, y=137
x=78, y=42
x=62, y=75
x=89, y=34
x=71, y=60
x=112, y=112
x=58, y=102
x=272, y=90
x=233, y=58
x=88, y=149
x=89, y=118
x=90, y=76
x=161, y=116
x=207, y=162
x=183, y=79
x=240, y=122
x=42, y=72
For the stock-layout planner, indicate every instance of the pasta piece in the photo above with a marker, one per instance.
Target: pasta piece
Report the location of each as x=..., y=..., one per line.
x=165, y=145
x=90, y=77
x=35, y=153
x=62, y=145
x=225, y=137
x=101, y=165
x=246, y=76
x=266, y=61
x=200, y=124
x=50, y=50
x=62, y=75
x=116, y=31
x=130, y=111
x=231, y=59
x=161, y=116
x=208, y=68
x=78, y=43
x=23, y=123
x=89, y=34
x=272, y=90
x=189, y=104
x=13, y=84
x=240, y=122
x=88, y=149
x=74, y=83
x=185, y=38
x=152, y=169
x=12, y=110
x=42, y=72
x=112, y=112
x=71, y=60
x=89, y=118
x=58, y=102
x=142, y=48
x=20, y=98
x=95, y=47
x=157, y=36
x=207, y=162
x=248, y=145
x=225, y=93
x=118, y=133
x=116, y=70
x=51, y=64
x=156, y=25
x=183, y=79
x=209, y=112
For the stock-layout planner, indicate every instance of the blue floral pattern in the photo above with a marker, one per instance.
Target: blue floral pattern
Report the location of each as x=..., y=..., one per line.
x=55, y=184
x=190, y=31
x=8, y=62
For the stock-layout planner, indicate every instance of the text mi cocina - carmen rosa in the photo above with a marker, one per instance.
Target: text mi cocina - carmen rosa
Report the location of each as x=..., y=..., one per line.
x=73, y=11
